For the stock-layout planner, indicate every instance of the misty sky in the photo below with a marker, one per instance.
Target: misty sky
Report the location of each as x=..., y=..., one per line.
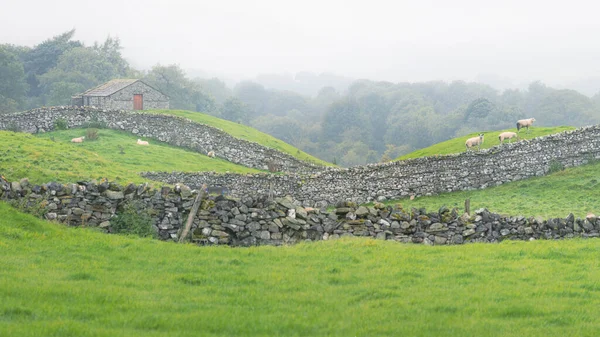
x=521, y=41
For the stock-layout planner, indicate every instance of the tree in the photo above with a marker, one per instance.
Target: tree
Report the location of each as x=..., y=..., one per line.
x=44, y=57
x=111, y=51
x=183, y=93
x=13, y=87
x=82, y=68
x=284, y=128
x=234, y=110
x=216, y=88
x=340, y=117
x=253, y=95
x=479, y=108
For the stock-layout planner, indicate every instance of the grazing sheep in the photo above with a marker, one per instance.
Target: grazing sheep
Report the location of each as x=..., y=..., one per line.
x=78, y=140
x=525, y=123
x=507, y=135
x=142, y=142
x=211, y=154
x=474, y=141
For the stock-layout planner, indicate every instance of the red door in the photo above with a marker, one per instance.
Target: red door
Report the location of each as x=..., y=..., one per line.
x=138, y=102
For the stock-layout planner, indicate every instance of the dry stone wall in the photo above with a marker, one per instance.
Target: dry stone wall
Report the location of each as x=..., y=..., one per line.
x=257, y=221
x=422, y=176
x=123, y=99
x=173, y=130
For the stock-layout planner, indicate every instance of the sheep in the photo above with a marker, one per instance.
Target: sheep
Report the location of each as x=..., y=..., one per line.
x=78, y=140
x=507, y=135
x=211, y=154
x=474, y=141
x=525, y=123
x=142, y=142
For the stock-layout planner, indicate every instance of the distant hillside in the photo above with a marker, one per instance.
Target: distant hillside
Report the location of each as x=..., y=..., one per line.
x=245, y=132
x=457, y=145
x=114, y=155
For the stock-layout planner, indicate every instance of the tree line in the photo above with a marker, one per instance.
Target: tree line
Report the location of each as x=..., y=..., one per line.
x=368, y=122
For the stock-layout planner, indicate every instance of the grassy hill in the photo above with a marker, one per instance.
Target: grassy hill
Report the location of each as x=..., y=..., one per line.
x=457, y=145
x=60, y=281
x=42, y=159
x=573, y=190
x=245, y=132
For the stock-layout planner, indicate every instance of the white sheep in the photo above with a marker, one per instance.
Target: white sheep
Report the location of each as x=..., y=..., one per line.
x=78, y=140
x=474, y=141
x=211, y=154
x=525, y=123
x=507, y=135
x=142, y=142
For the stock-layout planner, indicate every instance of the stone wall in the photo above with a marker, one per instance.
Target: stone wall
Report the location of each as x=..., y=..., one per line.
x=256, y=221
x=173, y=130
x=421, y=176
x=123, y=99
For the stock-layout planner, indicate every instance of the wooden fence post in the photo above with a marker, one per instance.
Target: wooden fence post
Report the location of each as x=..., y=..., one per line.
x=468, y=206
x=193, y=211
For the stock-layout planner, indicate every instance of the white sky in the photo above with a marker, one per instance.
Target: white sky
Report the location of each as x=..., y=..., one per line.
x=553, y=41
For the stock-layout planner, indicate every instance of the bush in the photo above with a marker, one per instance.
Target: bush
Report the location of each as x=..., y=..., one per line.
x=555, y=166
x=95, y=122
x=61, y=124
x=133, y=219
x=91, y=134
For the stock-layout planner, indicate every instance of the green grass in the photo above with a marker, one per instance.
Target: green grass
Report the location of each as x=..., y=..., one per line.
x=457, y=145
x=245, y=132
x=575, y=190
x=60, y=281
x=43, y=160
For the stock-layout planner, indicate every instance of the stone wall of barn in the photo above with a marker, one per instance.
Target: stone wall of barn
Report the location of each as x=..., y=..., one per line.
x=256, y=221
x=123, y=99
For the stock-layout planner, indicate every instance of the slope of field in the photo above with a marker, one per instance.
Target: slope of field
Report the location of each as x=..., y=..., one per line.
x=245, y=132
x=42, y=159
x=574, y=190
x=60, y=281
x=457, y=145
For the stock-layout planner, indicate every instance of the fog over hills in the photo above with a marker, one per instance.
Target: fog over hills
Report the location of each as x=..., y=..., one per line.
x=350, y=82
x=398, y=41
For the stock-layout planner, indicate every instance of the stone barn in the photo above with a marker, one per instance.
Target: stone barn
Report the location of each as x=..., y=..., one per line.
x=123, y=94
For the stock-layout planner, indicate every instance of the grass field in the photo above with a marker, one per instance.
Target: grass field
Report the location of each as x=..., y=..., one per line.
x=574, y=190
x=59, y=281
x=245, y=132
x=43, y=160
x=457, y=145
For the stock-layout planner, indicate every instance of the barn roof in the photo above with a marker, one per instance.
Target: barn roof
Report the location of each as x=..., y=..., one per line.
x=109, y=87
